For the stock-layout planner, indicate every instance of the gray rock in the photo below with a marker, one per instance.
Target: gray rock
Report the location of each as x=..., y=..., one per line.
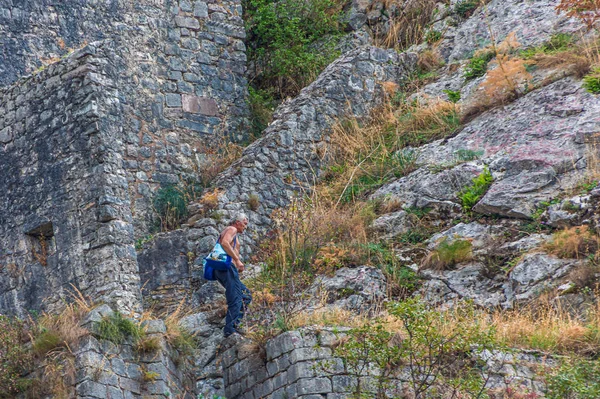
x=535, y=273
x=351, y=288
x=393, y=224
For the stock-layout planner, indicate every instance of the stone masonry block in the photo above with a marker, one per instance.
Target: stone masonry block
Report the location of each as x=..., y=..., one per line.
x=284, y=343
x=91, y=388
x=308, y=386
x=229, y=357
x=233, y=390
x=187, y=22
x=264, y=389
x=281, y=380
x=302, y=354
x=301, y=370
x=272, y=368
x=173, y=99
x=344, y=383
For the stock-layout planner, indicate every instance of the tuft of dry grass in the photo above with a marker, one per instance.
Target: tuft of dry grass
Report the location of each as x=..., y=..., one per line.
x=219, y=154
x=407, y=26
x=573, y=242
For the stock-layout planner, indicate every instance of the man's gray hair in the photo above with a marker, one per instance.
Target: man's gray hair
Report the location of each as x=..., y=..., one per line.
x=239, y=217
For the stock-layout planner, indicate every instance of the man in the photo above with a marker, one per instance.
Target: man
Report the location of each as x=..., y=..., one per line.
x=237, y=295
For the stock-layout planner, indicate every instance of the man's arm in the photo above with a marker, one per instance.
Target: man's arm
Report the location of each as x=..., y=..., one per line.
x=226, y=244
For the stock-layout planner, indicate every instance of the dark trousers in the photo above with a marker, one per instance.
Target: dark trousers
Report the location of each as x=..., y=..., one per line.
x=237, y=295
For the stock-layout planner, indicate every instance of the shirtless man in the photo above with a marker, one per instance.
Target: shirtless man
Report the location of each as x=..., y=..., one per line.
x=237, y=294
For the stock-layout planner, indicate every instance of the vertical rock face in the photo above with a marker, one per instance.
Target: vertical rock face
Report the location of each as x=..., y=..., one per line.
x=182, y=81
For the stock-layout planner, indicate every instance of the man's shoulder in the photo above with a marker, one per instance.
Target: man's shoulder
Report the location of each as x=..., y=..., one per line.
x=229, y=230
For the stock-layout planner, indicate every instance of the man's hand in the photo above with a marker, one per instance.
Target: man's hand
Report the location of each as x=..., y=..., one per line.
x=239, y=265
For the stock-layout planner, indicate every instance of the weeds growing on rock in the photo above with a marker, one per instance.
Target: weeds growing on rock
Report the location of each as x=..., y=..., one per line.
x=588, y=11
x=574, y=242
x=117, y=329
x=448, y=253
x=471, y=195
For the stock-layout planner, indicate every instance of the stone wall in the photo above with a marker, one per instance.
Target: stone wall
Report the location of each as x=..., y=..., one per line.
x=303, y=364
x=105, y=369
x=65, y=220
x=182, y=82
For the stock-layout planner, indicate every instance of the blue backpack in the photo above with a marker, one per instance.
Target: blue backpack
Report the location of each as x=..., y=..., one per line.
x=217, y=259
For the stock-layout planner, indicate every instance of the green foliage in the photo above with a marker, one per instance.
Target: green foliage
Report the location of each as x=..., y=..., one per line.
x=465, y=8
x=472, y=194
x=413, y=236
x=591, y=81
x=170, y=203
x=453, y=96
x=15, y=358
x=449, y=253
x=139, y=243
x=575, y=379
x=558, y=42
x=287, y=42
x=477, y=66
x=433, y=36
x=435, y=356
x=117, y=329
x=261, y=105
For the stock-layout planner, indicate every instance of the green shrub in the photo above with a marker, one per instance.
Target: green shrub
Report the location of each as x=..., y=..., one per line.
x=575, y=379
x=170, y=203
x=435, y=346
x=471, y=195
x=117, y=329
x=16, y=359
x=591, y=81
x=465, y=8
x=287, y=42
x=453, y=96
x=477, y=66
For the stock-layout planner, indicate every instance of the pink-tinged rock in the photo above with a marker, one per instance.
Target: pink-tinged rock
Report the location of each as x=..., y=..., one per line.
x=199, y=105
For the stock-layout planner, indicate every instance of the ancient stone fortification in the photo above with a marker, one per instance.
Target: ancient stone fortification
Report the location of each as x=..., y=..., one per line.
x=87, y=141
x=182, y=80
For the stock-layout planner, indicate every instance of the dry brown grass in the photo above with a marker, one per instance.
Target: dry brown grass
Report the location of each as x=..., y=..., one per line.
x=546, y=326
x=407, y=27
x=448, y=254
x=573, y=243
x=210, y=200
x=219, y=154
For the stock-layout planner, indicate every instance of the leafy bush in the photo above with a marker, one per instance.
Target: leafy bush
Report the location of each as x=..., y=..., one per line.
x=117, y=329
x=591, y=82
x=436, y=346
x=575, y=379
x=15, y=358
x=471, y=195
x=466, y=155
x=477, y=66
x=287, y=45
x=448, y=253
x=170, y=203
x=465, y=8
x=453, y=96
